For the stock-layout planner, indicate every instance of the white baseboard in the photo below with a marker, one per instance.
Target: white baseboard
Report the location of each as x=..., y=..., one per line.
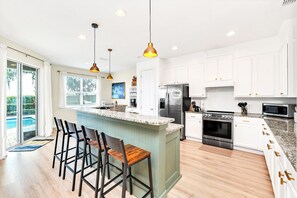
x=248, y=150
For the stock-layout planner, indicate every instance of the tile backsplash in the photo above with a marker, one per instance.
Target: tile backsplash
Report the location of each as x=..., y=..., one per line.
x=222, y=99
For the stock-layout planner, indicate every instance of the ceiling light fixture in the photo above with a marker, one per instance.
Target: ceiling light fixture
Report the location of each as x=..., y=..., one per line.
x=121, y=13
x=231, y=33
x=174, y=48
x=82, y=37
x=150, y=51
x=109, y=77
x=94, y=68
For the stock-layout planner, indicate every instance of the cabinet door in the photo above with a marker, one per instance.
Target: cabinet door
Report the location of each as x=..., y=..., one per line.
x=194, y=126
x=225, y=68
x=243, y=77
x=264, y=72
x=196, y=83
x=211, y=70
x=283, y=72
x=279, y=179
x=168, y=75
x=148, y=92
x=290, y=191
x=246, y=136
x=181, y=74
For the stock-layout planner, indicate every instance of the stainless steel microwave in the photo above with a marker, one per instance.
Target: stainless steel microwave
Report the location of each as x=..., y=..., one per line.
x=278, y=110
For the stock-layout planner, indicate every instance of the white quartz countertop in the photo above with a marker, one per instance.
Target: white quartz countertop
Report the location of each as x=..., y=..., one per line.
x=138, y=118
x=173, y=127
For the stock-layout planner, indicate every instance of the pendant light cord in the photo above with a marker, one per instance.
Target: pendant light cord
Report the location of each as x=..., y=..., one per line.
x=109, y=61
x=150, y=21
x=94, y=45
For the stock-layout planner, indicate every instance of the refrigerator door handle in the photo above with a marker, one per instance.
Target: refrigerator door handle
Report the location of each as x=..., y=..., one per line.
x=167, y=102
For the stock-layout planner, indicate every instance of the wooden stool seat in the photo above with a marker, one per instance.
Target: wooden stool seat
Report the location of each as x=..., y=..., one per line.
x=129, y=156
x=133, y=154
x=95, y=144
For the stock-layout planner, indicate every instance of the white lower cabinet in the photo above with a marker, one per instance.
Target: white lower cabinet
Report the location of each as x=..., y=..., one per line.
x=246, y=133
x=283, y=176
x=194, y=126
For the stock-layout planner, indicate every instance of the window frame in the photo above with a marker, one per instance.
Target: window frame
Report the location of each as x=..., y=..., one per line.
x=81, y=92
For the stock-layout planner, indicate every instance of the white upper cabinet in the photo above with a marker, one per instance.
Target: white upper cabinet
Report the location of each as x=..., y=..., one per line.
x=167, y=76
x=282, y=73
x=174, y=75
x=255, y=76
x=243, y=77
x=225, y=68
x=218, y=71
x=181, y=75
x=211, y=70
x=264, y=73
x=196, y=83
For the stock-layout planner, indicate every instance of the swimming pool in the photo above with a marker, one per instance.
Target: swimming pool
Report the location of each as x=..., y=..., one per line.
x=12, y=122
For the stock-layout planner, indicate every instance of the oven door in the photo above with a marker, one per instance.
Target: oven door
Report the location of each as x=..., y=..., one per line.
x=218, y=129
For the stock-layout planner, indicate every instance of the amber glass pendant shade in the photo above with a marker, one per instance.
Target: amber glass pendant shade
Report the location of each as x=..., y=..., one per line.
x=94, y=68
x=150, y=51
x=109, y=77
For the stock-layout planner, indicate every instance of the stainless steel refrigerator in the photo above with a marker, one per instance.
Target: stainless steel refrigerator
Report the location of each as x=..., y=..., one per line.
x=174, y=100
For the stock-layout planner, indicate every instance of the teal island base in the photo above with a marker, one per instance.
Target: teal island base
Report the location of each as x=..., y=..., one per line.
x=154, y=134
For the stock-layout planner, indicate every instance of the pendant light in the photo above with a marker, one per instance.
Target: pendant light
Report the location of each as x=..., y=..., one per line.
x=94, y=68
x=150, y=51
x=109, y=77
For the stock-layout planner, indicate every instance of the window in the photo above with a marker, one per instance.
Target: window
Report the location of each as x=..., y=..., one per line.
x=81, y=91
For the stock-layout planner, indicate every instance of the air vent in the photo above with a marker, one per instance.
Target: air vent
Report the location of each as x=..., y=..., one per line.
x=286, y=2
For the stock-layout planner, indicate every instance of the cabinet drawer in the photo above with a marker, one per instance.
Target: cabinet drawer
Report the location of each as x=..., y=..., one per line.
x=291, y=173
x=245, y=120
x=193, y=115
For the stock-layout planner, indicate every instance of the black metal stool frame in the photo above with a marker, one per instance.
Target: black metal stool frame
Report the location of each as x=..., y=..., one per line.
x=91, y=135
x=73, y=132
x=59, y=155
x=118, y=145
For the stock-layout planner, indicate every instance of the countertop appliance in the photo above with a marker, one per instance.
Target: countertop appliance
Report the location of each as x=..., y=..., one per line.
x=218, y=129
x=174, y=100
x=278, y=110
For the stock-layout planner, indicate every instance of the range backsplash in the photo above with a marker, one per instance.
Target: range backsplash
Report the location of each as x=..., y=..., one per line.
x=222, y=99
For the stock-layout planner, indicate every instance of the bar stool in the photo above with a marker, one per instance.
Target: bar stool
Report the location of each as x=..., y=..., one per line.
x=128, y=155
x=59, y=155
x=78, y=136
x=91, y=138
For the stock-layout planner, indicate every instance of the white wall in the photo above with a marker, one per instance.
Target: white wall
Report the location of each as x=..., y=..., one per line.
x=69, y=114
x=222, y=99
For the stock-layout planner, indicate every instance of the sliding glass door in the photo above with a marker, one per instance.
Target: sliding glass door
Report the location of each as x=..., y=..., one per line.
x=22, y=90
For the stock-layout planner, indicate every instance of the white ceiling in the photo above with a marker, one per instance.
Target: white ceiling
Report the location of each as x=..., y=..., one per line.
x=51, y=27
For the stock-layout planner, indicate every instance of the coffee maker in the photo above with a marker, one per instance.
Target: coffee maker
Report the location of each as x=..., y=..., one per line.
x=133, y=103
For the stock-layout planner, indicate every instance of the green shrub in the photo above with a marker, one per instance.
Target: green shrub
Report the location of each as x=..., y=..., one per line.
x=28, y=105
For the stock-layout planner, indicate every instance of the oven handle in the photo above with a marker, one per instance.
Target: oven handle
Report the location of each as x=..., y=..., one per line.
x=230, y=121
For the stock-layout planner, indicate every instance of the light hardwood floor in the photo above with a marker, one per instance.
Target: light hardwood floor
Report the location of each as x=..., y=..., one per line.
x=206, y=172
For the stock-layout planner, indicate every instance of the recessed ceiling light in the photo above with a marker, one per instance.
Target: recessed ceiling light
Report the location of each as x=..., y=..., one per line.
x=121, y=13
x=82, y=37
x=174, y=48
x=231, y=33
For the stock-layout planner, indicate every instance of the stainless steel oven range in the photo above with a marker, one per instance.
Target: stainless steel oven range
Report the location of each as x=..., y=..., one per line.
x=218, y=129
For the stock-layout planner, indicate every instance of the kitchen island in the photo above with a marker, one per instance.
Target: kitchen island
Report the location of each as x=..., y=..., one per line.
x=154, y=134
